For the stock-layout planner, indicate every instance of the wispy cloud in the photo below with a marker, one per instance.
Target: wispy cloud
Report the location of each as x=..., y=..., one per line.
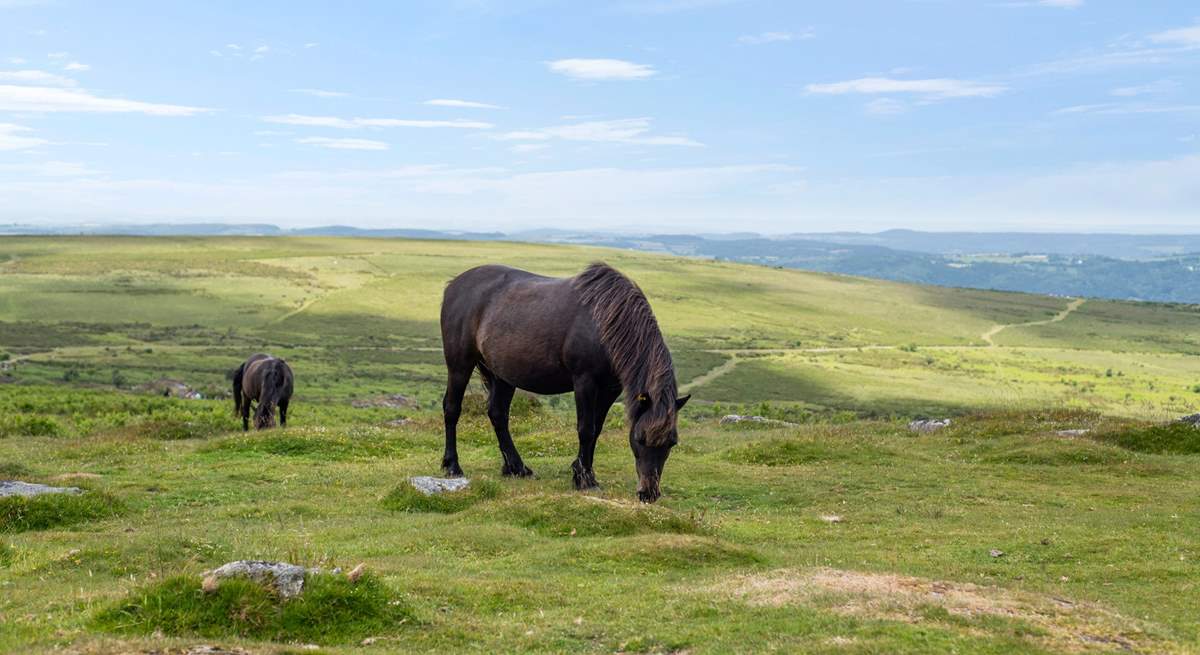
x=1114, y=108
x=77, y=67
x=933, y=89
x=343, y=144
x=601, y=69
x=51, y=99
x=885, y=107
x=465, y=104
x=51, y=169
x=1160, y=86
x=529, y=147
x=671, y=6
x=1186, y=36
x=35, y=77
x=16, y=61
x=321, y=93
x=58, y=55
x=15, y=137
x=357, y=123
x=776, y=37
x=635, y=131
x=311, y=45
x=1061, y=4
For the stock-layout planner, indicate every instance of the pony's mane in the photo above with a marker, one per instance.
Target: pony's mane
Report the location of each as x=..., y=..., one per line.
x=635, y=346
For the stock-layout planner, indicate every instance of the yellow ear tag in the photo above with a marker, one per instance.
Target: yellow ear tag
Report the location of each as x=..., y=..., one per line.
x=642, y=398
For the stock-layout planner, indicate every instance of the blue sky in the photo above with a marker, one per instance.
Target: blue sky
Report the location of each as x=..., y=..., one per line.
x=680, y=115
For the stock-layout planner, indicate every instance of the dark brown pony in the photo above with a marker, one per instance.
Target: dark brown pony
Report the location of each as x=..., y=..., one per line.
x=266, y=380
x=593, y=334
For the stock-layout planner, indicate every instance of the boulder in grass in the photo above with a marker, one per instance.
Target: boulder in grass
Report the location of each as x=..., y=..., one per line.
x=734, y=419
x=287, y=579
x=1191, y=419
x=926, y=425
x=29, y=489
x=1073, y=433
x=431, y=486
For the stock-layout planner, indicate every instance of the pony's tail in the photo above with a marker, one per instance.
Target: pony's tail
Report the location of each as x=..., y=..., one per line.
x=237, y=389
x=272, y=387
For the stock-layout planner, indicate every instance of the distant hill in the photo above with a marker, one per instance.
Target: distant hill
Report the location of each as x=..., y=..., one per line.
x=1162, y=268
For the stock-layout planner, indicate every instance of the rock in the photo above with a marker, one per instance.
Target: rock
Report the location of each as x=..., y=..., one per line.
x=996, y=552
x=205, y=649
x=356, y=572
x=430, y=485
x=287, y=579
x=926, y=425
x=394, y=401
x=1072, y=433
x=732, y=419
x=29, y=489
x=398, y=422
x=1191, y=419
x=831, y=518
x=209, y=584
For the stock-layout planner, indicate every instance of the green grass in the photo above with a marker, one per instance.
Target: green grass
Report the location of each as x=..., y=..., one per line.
x=1097, y=530
x=332, y=610
x=20, y=513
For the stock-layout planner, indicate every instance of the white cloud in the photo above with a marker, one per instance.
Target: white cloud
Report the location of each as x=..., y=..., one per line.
x=935, y=89
x=49, y=99
x=671, y=6
x=1186, y=36
x=262, y=49
x=529, y=147
x=466, y=104
x=51, y=169
x=1160, y=86
x=601, y=69
x=343, y=144
x=356, y=123
x=311, y=45
x=1067, y=4
x=233, y=46
x=885, y=107
x=58, y=55
x=635, y=131
x=1113, y=108
x=16, y=61
x=76, y=66
x=272, y=133
x=35, y=77
x=776, y=37
x=12, y=138
x=322, y=93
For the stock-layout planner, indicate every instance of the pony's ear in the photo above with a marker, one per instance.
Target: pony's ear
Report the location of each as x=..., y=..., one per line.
x=680, y=402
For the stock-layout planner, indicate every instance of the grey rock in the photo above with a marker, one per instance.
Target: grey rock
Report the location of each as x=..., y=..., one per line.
x=996, y=552
x=28, y=489
x=1073, y=433
x=287, y=579
x=928, y=424
x=733, y=419
x=430, y=485
x=393, y=401
x=1191, y=419
x=398, y=422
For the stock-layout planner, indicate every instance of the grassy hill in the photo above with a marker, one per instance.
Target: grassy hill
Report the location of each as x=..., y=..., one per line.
x=1013, y=530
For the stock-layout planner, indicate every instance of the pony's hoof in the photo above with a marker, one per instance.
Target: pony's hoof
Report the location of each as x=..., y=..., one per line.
x=452, y=469
x=586, y=481
x=520, y=471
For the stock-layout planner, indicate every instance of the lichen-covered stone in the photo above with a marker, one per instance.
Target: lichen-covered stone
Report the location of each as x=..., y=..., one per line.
x=430, y=485
x=18, y=488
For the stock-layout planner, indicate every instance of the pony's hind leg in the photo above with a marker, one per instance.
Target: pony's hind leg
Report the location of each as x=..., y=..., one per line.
x=500, y=395
x=456, y=386
x=283, y=405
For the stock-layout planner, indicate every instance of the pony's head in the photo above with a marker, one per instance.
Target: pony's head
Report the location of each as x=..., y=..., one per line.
x=264, y=419
x=652, y=434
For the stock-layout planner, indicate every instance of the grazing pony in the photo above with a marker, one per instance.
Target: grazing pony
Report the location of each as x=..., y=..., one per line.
x=593, y=334
x=266, y=380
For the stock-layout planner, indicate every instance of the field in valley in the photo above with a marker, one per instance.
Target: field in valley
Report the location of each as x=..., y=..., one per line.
x=842, y=532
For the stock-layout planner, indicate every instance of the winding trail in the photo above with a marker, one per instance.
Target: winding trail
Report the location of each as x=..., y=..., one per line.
x=997, y=329
x=987, y=337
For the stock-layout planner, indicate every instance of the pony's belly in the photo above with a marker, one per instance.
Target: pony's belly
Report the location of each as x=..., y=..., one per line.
x=544, y=379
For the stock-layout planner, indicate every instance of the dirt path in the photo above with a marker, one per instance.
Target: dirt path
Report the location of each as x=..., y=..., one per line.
x=997, y=329
x=711, y=374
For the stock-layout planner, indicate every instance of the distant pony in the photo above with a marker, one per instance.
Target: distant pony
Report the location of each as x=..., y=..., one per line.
x=266, y=380
x=593, y=334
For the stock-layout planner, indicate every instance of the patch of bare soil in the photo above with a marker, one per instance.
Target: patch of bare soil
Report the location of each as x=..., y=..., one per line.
x=1060, y=624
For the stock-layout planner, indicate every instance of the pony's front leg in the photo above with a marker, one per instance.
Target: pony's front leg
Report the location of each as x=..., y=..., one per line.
x=500, y=395
x=245, y=414
x=592, y=403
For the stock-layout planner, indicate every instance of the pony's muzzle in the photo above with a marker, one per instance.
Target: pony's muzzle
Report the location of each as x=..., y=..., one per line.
x=648, y=490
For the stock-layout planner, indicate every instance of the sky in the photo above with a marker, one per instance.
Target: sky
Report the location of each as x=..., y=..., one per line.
x=693, y=116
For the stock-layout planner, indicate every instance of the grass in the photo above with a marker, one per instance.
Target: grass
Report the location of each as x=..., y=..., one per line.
x=803, y=538
x=332, y=610
x=21, y=514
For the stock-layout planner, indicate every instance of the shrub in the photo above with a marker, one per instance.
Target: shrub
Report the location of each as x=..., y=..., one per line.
x=1172, y=438
x=29, y=425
